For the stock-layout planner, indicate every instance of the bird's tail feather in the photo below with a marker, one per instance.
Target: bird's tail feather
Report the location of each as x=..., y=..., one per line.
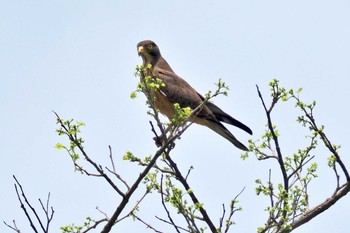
x=223, y=131
x=222, y=116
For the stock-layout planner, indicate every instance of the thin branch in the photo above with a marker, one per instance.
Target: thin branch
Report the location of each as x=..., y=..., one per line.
x=148, y=225
x=114, y=172
x=181, y=228
x=233, y=209
x=74, y=139
x=222, y=217
x=337, y=177
x=49, y=217
x=278, y=149
x=103, y=213
x=310, y=214
x=301, y=165
x=84, y=171
x=111, y=158
x=132, y=189
x=327, y=143
x=118, y=177
x=164, y=206
x=152, y=128
x=272, y=203
x=188, y=172
x=195, y=200
x=14, y=227
x=138, y=202
x=23, y=206
x=96, y=223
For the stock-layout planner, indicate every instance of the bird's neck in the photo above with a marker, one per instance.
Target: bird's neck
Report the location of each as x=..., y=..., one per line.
x=163, y=64
x=158, y=62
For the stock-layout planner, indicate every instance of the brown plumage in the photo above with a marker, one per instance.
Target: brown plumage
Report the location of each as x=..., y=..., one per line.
x=177, y=90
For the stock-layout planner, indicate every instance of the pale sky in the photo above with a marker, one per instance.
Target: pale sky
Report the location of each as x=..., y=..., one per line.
x=78, y=58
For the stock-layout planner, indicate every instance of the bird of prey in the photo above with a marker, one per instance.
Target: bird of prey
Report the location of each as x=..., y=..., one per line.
x=177, y=90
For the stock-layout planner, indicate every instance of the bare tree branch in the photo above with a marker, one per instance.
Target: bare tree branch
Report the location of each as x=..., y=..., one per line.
x=23, y=206
x=49, y=217
x=170, y=223
x=14, y=227
x=310, y=214
x=114, y=170
x=46, y=209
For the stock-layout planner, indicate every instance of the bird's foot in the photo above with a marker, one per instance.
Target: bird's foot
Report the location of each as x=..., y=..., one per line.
x=159, y=140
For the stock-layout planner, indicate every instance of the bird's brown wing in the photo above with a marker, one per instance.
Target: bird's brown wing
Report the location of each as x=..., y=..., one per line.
x=177, y=90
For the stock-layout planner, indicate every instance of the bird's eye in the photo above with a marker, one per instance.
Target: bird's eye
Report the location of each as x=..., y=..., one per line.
x=150, y=46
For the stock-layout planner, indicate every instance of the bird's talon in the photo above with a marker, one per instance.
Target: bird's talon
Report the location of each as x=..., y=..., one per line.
x=158, y=141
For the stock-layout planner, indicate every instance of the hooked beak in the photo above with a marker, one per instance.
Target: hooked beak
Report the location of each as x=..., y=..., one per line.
x=140, y=49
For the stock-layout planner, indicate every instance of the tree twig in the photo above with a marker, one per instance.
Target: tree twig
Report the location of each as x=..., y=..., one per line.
x=195, y=200
x=132, y=189
x=278, y=149
x=74, y=139
x=164, y=206
x=24, y=208
x=310, y=214
x=14, y=227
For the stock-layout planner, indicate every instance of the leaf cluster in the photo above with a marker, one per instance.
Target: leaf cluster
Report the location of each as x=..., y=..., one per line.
x=71, y=129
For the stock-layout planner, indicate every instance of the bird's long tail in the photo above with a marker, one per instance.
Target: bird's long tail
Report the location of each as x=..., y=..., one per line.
x=223, y=131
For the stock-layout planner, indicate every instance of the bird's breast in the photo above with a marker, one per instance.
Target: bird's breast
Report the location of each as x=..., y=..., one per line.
x=163, y=104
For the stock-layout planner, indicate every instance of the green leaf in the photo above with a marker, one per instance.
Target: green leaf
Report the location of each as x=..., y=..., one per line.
x=128, y=155
x=59, y=146
x=133, y=95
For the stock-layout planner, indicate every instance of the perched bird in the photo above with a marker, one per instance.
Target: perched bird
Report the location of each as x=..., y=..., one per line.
x=177, y=90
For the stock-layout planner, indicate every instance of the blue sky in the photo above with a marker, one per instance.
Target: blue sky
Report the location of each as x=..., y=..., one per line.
x=78, y=58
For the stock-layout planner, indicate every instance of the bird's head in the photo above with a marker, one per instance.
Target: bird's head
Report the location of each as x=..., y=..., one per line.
x=149, y=52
